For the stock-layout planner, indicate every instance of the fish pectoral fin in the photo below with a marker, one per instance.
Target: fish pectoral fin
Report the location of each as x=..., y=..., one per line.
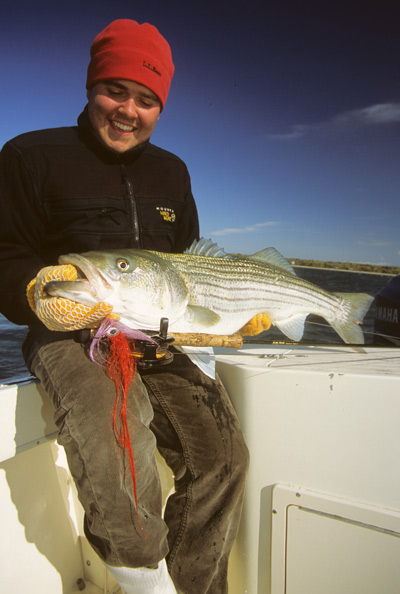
x=195, y=314
x=293, y=327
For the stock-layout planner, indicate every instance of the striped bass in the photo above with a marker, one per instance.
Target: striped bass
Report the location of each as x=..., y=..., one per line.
x=208, y=291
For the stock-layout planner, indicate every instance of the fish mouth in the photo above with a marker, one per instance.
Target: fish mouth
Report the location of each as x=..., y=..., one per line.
x=100, y=283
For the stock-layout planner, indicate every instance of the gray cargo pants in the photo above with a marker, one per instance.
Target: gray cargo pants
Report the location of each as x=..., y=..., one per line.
x=174, y=408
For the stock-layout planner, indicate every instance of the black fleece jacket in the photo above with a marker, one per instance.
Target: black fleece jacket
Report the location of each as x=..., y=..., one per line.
x=63, y=191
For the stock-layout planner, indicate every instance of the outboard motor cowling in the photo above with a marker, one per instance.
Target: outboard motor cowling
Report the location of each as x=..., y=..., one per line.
x=387, y=314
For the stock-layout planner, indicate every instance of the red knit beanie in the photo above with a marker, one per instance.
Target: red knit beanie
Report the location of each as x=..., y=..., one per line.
x=130, y=51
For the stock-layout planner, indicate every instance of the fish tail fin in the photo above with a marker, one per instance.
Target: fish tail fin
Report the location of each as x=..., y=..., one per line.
x=356, y=305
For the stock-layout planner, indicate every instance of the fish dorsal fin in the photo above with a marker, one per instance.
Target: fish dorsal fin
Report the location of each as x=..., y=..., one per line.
x=272, y=256
x=205, y=247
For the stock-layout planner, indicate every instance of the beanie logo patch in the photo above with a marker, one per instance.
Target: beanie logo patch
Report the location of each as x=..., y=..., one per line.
x=150, y=67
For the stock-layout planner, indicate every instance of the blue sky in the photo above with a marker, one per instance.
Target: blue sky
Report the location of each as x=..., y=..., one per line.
x=286, y=113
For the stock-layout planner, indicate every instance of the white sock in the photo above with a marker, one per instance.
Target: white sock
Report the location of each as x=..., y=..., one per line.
x=142, y=580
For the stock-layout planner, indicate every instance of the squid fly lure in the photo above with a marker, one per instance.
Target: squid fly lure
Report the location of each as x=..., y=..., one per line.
x=113, y=348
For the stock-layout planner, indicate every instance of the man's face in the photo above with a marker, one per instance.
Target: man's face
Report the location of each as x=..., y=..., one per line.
x=123, y=113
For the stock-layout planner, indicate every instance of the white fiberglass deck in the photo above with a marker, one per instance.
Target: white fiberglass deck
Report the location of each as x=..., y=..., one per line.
x=322, y=509
x=322, y=506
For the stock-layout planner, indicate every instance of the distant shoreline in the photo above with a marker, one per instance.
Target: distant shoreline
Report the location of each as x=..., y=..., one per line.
x=346, y=267
x=344, y=270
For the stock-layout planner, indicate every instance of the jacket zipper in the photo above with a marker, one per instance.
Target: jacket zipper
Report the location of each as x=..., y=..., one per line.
x=133, y=210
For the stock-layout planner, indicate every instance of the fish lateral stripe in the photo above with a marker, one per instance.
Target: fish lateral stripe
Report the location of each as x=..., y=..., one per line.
x=208, y=291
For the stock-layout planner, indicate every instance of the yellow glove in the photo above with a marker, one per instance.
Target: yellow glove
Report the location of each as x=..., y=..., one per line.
x=258, y=324
x=59, y=313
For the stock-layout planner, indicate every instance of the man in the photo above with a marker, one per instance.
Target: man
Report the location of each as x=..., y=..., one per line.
x=103, y=185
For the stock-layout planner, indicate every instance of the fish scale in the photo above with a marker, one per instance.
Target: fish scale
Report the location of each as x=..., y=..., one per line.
x=208, y=291
x=202, y=276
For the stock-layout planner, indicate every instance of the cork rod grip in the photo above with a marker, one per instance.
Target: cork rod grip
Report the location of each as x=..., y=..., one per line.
x=232, y=341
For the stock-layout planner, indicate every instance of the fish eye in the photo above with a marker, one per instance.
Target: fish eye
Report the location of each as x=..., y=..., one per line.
x=123, y=264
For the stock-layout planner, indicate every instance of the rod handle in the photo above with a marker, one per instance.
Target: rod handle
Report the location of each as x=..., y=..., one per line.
x=232, y=341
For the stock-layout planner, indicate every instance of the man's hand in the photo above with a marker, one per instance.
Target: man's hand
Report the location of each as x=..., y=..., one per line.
x=59, y=313
x=258, y=324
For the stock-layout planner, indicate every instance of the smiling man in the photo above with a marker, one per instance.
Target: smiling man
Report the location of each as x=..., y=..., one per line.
x=102, y=185
x=123, y=113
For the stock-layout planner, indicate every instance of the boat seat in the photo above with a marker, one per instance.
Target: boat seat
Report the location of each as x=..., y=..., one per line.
x=40, y=514
x=26, y=418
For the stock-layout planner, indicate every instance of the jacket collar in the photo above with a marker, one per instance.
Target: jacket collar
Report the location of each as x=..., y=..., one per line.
x=89, y=137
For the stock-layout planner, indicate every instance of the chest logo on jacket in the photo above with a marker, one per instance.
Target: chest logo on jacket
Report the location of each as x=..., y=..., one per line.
x=167, y=214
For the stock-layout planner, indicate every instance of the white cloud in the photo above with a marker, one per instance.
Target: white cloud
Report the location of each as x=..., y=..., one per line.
x=247, y=229
x=379, y=114
x=375, y=243
x=383, y=113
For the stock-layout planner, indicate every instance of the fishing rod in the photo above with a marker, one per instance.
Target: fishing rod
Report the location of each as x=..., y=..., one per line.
x=236, y=341
x=155, y=351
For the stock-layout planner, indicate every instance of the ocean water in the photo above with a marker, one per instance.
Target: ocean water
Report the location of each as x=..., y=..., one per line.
x=12, y=366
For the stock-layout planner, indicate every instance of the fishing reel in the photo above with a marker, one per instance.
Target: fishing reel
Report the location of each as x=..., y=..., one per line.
x=155, y=353
x=148, y=350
